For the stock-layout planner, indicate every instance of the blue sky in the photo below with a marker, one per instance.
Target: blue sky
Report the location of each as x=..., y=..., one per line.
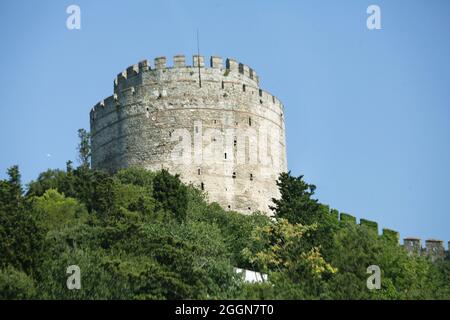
x=367, y=112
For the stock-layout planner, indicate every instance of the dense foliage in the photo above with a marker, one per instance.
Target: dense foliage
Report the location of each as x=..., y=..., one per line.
x=137, y=234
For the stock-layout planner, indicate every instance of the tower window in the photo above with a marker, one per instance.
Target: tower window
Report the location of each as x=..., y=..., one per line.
x=199, y=171
x=223, y=85
x=234, y=175
x=244, y=87
x=202, y=186
x=235, y=142
x=260, y=92
x=251, y=176
x=249, y=121
x=225, y=155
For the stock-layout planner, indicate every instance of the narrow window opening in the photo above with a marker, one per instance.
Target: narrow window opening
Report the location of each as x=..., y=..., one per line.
x=234, y=175
x=243, y=87
x=223, y=85
x=251, y=176
x=260, y=92
x=202, y=186
x=235, y=142
x=199, y=171
x=225, y=155
x=249, y=121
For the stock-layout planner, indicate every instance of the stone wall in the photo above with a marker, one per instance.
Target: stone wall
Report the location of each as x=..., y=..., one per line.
x=434, y=249
x=212, y=125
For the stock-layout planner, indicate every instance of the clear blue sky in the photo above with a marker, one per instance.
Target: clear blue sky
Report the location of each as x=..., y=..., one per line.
x=367, y=112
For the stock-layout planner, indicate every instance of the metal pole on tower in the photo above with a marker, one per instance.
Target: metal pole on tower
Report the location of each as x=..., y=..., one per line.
x=198, y=59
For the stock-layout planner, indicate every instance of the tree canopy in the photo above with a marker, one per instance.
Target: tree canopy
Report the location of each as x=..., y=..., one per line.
x=137, y=234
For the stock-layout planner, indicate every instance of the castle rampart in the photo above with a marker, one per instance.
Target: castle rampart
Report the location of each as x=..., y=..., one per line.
x=434, y=249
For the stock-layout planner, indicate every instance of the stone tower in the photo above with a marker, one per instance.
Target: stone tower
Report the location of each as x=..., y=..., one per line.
x=212, y=125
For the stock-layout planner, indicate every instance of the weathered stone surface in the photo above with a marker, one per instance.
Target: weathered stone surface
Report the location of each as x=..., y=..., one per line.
x=434, y=249
x=227, y=136
x=412, y=245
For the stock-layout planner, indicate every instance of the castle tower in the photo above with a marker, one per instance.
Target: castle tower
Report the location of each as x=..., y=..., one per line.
x=212, y=125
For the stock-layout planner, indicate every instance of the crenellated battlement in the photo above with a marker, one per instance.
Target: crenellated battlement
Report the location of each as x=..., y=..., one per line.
x=433, y=248
x=231, y=70
x=227, y=77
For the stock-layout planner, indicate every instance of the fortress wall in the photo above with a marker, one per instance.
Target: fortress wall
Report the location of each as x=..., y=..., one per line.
x=434, y=249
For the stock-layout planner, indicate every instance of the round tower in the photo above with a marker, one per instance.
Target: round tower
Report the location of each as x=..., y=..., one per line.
x=212, y=125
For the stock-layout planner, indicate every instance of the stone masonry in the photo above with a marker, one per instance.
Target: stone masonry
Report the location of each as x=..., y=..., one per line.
x=212, y=125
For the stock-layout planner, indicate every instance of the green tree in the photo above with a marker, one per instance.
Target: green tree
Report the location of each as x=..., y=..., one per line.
x=84, y=148
x=54, y=211
x=171, y=194
x=298, y=206
x=11, y=190
x=135, y=260
x=296, y=203
x=123, y=230
x=402, y=276
x=20, y=237
x=294, y=266
x=15, y=284
x=50, y=179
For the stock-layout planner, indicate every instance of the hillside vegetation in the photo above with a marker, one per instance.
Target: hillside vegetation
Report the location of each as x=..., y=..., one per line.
x=144, y=235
